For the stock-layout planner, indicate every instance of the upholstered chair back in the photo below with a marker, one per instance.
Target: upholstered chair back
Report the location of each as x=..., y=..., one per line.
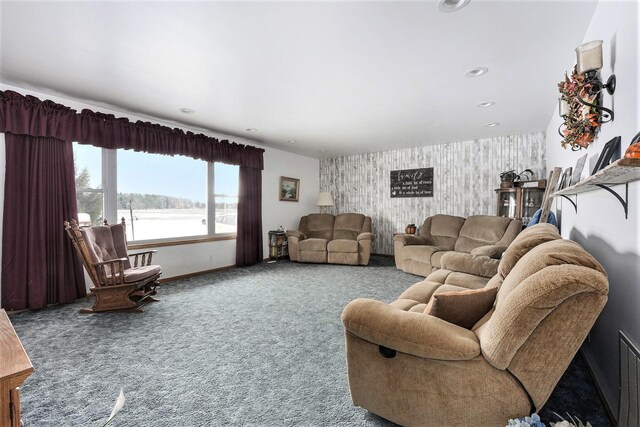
x=442, y=230
x=317, y=226
x=349, y=225
x=482, y=230
x=544, y=309
x=104, y=242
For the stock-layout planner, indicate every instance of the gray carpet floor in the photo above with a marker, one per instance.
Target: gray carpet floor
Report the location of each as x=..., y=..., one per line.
x=252, y=346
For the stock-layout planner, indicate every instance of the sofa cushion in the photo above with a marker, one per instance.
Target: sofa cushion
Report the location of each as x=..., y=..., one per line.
x=466, y=280
x=466, y=263
x=319, y=226
x=348, y=226
x=319, y=257
x=481, y=230
x=420, y=253
x=345, y=258
x=527, y=240
x=462, y=308
x=442, y=230
x=315, y=245
x=436, y=258
x=421, y=292
x=343, y=245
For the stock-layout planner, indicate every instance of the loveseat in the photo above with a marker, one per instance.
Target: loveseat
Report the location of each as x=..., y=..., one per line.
x=325, y=238
x=417, y=369
x=472, y=245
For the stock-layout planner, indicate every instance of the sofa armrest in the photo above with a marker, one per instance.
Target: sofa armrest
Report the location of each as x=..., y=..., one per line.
x=461, y=262
x=410, y=239
x=365, y=236
x=492, y=251
x=413, y=333
x=295, y=233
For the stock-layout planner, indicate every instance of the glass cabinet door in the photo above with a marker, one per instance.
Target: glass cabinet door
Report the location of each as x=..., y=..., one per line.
x=507, y=203
x=531, y=202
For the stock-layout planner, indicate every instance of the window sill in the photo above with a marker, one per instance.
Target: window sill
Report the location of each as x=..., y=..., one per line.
x=177, y=242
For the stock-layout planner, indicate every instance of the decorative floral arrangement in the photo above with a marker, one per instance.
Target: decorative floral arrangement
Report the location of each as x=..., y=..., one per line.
x=581, y=123
x=534, y=421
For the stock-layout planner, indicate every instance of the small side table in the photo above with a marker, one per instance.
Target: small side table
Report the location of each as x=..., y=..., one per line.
x=278, y=246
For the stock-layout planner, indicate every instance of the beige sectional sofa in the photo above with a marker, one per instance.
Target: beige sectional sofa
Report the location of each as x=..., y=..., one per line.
x=325, y=238
x=468, y=248
x=418, y=370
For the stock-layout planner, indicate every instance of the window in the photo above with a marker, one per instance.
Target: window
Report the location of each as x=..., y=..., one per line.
x=89, y=189
x=225, y=198
x=160, y=197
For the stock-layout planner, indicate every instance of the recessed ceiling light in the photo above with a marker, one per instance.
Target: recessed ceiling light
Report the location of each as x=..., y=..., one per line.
x=251, y=130
x=477, y=72
x=486, y=104
x=492, y=125
x=291, y=141
x=452, y=5
x=187, y=110
x=323, y=151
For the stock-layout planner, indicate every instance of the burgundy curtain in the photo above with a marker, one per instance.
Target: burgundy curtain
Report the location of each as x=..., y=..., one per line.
x=27, y=115
x=249, y=235
x=38, y=263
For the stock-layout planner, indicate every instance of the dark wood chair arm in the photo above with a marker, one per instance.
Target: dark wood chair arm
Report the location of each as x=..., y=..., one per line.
x=109, y=261
x=116, y=267
x=145, y=257
x=151, y=251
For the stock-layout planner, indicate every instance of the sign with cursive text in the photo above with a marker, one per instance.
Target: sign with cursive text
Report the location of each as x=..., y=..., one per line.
x=412, y=183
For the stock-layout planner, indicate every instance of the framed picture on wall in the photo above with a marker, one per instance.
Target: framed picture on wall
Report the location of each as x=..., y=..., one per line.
x=609, y=149
x=565, y=181
x=289, y=189
x=577, y=171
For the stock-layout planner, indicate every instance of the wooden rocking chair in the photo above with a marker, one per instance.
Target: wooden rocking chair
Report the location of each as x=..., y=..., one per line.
x=117, y=285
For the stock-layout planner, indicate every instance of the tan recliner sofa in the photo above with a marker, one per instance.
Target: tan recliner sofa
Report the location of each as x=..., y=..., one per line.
x=434, y=373
x=325, y=238
x=472, y=246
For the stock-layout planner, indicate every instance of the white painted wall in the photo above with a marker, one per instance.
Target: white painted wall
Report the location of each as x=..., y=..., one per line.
x=275, y=213
x=185, y=259
x=599, y=225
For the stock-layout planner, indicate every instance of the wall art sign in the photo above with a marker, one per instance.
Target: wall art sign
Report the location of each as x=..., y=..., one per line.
x=412, y=183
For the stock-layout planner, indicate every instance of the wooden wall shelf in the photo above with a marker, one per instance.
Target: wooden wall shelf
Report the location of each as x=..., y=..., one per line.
x=620, y=172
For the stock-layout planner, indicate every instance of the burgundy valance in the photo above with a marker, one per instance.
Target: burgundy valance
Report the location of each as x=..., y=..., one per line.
x=28, y=115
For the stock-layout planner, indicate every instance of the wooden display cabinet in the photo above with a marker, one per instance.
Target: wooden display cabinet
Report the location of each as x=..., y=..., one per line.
x=519, y=202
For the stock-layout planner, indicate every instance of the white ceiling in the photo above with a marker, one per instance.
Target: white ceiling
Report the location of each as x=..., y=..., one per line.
x=346, y=77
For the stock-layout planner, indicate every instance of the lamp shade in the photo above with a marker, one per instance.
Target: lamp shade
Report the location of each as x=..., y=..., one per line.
x=589, y=56
x=325, y=199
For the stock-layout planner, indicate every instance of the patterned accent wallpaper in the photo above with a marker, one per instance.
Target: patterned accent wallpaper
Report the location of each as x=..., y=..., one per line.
x=465, y=176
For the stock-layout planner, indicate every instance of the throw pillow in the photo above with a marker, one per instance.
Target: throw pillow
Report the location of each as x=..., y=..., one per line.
x=463, y=308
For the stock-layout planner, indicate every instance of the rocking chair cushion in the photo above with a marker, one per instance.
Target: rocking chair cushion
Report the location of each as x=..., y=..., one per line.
x=135, y=274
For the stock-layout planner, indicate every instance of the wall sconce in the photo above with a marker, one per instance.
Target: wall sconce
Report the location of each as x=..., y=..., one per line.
x=325, y=199
x=563, y=111
x=589, y=62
